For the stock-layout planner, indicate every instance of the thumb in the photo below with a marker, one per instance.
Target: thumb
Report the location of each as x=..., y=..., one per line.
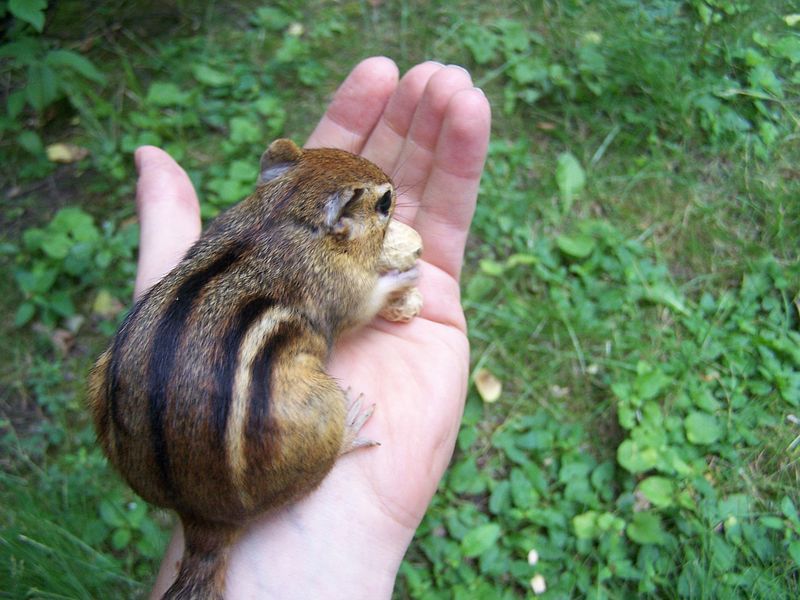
x=169, y=215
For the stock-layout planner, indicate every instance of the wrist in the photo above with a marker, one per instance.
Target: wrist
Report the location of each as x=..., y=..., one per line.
x=326, y=546
x=335, y=543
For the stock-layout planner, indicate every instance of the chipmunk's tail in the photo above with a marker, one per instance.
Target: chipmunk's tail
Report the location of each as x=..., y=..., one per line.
x=202, y=572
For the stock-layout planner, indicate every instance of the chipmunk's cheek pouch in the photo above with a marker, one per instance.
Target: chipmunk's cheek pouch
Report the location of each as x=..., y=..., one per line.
x=281, y=156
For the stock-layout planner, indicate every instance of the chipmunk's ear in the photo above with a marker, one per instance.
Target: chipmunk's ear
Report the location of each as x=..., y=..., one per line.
x=279, y=157
x=340, y=211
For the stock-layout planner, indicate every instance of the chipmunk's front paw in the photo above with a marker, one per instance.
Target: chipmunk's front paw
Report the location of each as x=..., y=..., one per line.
x=400, y=300
x=403, y=301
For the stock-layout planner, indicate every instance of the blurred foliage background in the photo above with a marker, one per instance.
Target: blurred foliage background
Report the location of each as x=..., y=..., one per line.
x=631, y=280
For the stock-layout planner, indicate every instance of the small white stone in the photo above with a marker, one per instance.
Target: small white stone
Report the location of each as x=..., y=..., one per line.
x=533, y=557
x=538, y=585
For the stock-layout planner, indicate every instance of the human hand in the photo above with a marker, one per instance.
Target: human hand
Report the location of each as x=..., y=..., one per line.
x=429, y=132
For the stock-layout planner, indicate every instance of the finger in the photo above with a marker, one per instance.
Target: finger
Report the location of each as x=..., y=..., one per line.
x=168, y=572
x=169, y=215
x=356, y=106
x=448, y=202
x=415, y=160
x=386, y=140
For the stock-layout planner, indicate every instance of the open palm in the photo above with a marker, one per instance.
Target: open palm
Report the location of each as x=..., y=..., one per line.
x=429, y=132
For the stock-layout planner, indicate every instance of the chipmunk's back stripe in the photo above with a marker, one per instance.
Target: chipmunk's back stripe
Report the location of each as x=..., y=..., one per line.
x=229, y=355
x=260, y=397
x=165, y=347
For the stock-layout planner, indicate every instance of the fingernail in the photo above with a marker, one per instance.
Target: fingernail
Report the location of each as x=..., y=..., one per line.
x=460, y=67
x=140, y=157
x=480, y=90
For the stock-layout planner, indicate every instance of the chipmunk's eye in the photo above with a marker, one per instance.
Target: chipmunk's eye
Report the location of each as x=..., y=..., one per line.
x=384, y=203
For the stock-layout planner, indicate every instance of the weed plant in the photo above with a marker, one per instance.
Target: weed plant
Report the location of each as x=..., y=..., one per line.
x=631, y=278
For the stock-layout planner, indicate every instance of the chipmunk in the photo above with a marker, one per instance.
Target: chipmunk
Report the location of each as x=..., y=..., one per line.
x=213, y=399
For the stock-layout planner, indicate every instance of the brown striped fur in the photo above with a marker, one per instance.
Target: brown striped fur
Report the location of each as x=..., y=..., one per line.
x=213, y=398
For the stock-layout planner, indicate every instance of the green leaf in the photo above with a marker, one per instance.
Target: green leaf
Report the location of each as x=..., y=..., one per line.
x=635, y=458
x=56, y=246
x=77, y=222
x=151, y=543
x=15, y=103
x=609, y=522
x=577, y=246
x=788, y=509
x=570, y=178
x=31, y=141
x=737, y=505
x=645, y=528
x=228, y=190
x=164, y=93
x=465, y=478
x=36, y=281
x=480, y=539
x=42, y=87
x=242, y=170
x=137, y=511
x=24, y=313
x=787, y=47
x=650, y=383
x=268, y=105
x=585, y=525
x=500, y=500
x=665, y=295
x=794, y=551
x=75, y=62
x=522, y=492
x=491, y=267
x=30, y=11
x=574, y=469
x=62, y=304
x=704, y=399
x=121, y=538
x=24, y=51
x=521, y=259
x=211, y=77
x=515, y=35
x=702, y=429
x=272, y=18
x=111, y=515
x=723, y=555
x=772, y=523
x=762, y=77
x=244, y=130
x=528, y=71
x=481, y=42
x=658, y=490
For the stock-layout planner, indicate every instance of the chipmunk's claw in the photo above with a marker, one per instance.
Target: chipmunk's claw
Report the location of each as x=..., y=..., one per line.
x=355, y=421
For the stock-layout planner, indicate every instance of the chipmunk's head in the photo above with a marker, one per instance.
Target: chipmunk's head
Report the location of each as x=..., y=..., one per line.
x=333, y=192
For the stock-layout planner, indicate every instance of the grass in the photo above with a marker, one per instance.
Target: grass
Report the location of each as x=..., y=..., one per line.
x=631, y=278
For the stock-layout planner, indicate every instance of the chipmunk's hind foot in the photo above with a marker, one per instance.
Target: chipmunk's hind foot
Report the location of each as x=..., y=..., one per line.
x=355, y=421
